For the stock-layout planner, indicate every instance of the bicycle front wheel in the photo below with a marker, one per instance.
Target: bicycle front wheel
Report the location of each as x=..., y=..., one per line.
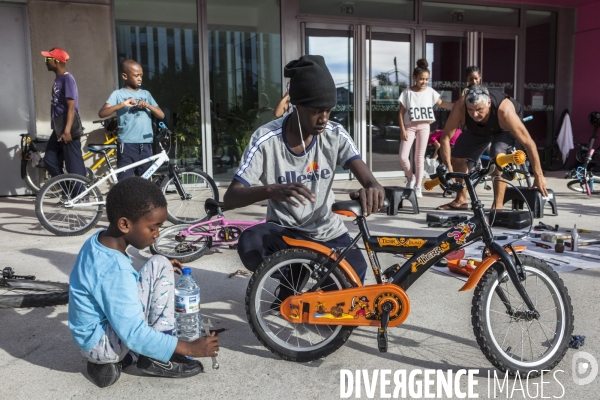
x=197, y=187
x=576, y=186
x=185, y=249
x=285, y=273
x=21, y=293
x=512, y=340
x=59, y=215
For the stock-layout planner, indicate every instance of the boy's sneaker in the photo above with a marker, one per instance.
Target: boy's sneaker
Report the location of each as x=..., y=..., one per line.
x=177, y=367
x=104, y=375
x=418, y=191
x=410, y=183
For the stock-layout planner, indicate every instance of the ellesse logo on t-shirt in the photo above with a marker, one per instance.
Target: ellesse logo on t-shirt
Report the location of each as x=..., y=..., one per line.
x=312, y=172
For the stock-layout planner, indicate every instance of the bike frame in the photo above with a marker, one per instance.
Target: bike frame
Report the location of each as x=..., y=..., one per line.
x=216, y=224
x=157, y=160
x=426, y=251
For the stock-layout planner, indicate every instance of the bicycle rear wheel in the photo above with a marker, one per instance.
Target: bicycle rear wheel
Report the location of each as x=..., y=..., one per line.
x=285, y=273
x=34, y=177
x=19, y=293
x=198, y=187
x=185, y=249
x=72, y=220
x=551, y=158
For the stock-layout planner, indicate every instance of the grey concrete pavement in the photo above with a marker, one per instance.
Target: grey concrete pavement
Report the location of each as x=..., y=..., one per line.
x=39, y=360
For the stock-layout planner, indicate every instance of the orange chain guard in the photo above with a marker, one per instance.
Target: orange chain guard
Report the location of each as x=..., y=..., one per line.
x=360, y=306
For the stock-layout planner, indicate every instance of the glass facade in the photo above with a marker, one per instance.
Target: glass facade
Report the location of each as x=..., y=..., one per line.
x=244, y=62
x=163, y=38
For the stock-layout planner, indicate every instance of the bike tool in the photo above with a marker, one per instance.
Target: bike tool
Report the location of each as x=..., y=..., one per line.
x=206, y=327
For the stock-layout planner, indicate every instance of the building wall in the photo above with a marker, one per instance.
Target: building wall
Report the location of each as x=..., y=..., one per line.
x=586, y=80
x=84, y=30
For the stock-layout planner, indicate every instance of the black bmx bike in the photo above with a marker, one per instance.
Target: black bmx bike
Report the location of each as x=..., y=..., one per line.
x=304, y=302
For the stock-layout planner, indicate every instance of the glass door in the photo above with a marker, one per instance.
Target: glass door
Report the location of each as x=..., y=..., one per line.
x=499, y=62
x=336, y=45
x=389, y=56
x=448, y=55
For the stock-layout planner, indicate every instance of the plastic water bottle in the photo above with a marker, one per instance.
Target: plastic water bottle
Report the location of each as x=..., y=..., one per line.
x=187, y=307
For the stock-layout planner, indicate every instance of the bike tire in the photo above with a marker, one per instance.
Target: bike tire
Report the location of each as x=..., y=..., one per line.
x=575, y=185
x=553, y=161
x=21, y=293
x=64, y=221
x=262, y=318
x=487, y=307
x=190, y=249
x=34, y=177
x=199, y=186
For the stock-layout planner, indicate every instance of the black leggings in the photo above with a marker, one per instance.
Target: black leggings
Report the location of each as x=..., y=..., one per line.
x=261, y=241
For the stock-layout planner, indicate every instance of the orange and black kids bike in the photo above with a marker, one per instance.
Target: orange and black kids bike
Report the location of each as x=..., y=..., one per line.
x=304, y=302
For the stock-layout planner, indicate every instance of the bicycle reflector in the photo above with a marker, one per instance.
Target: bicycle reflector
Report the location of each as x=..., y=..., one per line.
x=518, y=157
x=431, y=183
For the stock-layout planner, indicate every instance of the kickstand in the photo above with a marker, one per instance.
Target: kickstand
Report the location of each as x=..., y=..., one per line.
x=382, y=339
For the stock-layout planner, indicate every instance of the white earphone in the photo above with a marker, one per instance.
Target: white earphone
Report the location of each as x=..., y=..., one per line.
x=315, y=178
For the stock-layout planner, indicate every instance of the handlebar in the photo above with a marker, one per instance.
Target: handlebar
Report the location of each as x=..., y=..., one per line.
x=500, y=161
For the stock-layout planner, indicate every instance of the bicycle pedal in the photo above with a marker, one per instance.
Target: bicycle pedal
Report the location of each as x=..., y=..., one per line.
x=382, y=340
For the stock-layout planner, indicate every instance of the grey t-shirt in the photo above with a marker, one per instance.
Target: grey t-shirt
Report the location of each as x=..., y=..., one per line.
x=268, y=159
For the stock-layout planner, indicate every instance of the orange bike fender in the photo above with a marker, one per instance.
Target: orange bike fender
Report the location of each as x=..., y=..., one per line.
x=480, y=270
x=326, y=251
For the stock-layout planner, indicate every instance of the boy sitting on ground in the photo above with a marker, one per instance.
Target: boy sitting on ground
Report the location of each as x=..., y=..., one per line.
x=117, y=314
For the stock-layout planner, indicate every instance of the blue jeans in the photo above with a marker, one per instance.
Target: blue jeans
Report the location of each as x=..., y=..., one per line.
x=129, y=153
x=260, y=241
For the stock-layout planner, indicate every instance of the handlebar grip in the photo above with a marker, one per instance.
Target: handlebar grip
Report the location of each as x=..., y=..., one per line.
x=431, y=183
x=518, y=157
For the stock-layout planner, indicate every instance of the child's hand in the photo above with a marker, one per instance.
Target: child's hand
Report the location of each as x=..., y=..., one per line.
x=436, y=143
x=205, y=346
x=142, y=104
x=404, y=136
x=128, y=103
x=177, y=266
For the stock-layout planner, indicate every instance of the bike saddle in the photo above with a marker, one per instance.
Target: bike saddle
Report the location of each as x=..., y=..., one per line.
x=212, y=207
x=352, y=207
x=98, y=148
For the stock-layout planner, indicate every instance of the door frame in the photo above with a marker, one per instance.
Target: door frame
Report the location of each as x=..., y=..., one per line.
x=361, y=33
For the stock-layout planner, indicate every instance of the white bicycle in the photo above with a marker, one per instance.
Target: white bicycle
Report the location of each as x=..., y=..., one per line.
x=71, y=204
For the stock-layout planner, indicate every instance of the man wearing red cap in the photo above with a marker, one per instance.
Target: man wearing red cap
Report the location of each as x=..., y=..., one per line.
x=64, y=146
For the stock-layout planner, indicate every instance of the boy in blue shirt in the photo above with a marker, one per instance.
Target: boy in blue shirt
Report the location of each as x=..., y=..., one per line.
x=114, y=309
x=134, y=107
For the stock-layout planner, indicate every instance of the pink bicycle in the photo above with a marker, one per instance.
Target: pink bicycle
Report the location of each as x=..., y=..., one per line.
x=190, y=242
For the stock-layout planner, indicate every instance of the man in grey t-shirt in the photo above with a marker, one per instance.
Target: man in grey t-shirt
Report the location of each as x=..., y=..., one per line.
x=291, y=163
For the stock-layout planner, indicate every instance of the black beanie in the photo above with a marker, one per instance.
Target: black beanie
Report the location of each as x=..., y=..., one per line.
x=311, y=82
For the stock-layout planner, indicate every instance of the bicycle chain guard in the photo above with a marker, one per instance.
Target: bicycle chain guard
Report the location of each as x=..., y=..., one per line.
x=361, y=306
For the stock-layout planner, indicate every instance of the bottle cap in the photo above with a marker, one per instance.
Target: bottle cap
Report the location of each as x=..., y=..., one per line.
x=187, y=271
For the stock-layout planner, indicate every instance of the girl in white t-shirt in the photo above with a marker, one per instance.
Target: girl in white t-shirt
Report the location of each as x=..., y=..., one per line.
x=415, y=115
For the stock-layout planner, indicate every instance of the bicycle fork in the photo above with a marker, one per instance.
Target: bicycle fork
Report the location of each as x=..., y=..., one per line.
x=174, y=173
x=517, y=276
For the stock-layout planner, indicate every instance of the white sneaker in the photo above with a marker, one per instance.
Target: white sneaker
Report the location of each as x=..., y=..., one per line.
x=418, y=191
x=410, y=183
